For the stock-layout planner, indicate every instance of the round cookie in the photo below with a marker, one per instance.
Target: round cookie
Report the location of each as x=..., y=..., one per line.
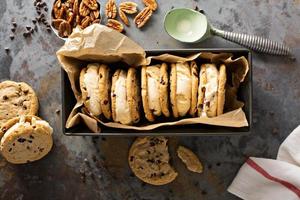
x=133, y=94
x=16, y=99
x=113, y=93
x=173, y=83
x=148, y=114
x=194, y=74
x=149, y=160
x=104, y=88
x=89, y=86
x=25, y=139
x=163, y=90
x=221, y=89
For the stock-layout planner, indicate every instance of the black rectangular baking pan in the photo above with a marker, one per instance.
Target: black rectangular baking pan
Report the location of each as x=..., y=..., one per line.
x=245, y=95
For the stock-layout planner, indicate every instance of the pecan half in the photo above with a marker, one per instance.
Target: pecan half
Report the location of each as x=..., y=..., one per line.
x=111, y=9
x=128, y=7
x=85, y=22
x=95, y=14
x=83, y=10
x=97, y=21
x=151, y=4
x=70, y=17
x=56, y=9
x=64, y=29
x=76, y=7
x=114, y=24
x=141, y=18
x=123, y=17
x=56, y=23
x=91, y=4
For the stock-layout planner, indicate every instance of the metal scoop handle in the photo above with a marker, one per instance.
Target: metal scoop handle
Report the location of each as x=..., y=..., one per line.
x=254, y=43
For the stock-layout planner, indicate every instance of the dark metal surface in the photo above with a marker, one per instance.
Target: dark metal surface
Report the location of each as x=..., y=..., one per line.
x=65, y=174
x=245, y=95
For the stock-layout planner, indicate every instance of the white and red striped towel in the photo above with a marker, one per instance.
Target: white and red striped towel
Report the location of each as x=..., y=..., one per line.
x=268, y=179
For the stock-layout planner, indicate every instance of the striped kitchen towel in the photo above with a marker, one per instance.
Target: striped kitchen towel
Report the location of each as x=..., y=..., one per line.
x=268, y=179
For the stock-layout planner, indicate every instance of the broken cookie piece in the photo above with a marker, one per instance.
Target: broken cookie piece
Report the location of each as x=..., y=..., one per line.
x=190, y=159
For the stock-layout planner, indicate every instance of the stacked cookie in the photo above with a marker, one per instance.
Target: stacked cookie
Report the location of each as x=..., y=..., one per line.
x=24, y=137
x=180, y=90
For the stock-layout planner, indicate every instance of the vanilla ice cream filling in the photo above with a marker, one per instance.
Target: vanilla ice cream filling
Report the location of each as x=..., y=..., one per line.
x=91, y=81
x=211, y=87
x=183, y=88
x=122, y=107
x=153, y=89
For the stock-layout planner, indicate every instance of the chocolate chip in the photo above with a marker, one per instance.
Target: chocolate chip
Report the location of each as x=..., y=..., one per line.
x=14, y=144
x=114, y=95
x=9, y=150
x=162, y=174
x=14, y=24
x=34, y=3
x=46, y=9
x=28, y=147
x=152, y=144
x=41, y=149
x=12, y=37
x=204, y=192
x=105, y=102
x=31, y=137
x=34, y=21
x=5, y=97
x=203, y=89
x=28, y=28
x=7, y=50
x=57, y=111
x=148, y=152
x=24, y=107
x=100, y=75
x=131, y=158
x=42, y=15
x=13, y=29
x=31, y=31
x=208, y=104
x=218, y=164
x=30, y=141
x=150, y=160
x=21, y=140
x=26, y=34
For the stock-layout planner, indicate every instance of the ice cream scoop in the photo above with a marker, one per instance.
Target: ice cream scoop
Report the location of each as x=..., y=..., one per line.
x=191, y=26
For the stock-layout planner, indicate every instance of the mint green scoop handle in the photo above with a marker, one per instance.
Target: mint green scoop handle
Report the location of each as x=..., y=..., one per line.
x=254, y=43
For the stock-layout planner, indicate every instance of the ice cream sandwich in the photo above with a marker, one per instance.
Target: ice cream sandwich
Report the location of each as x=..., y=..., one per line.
x=125, y=97
x=89, y=85
x=155, y=91
x=180, y=88
x=211, y=90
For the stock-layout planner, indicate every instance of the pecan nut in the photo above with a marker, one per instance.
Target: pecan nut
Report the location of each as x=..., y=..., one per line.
x=111, y=9
x=85, y=22
x=83, y=10
x=141, y=18
x=56, y=23
x=76, y=7
x=95, y=14
x=91, y=4
x=114, y=24
x=123, y=17
x=97, y=21
x=56, y=9
x=64, y=29
x=151, y=4
x=128, y=7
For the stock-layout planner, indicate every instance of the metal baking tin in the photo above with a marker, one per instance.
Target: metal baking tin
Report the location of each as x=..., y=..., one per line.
x=245, y=94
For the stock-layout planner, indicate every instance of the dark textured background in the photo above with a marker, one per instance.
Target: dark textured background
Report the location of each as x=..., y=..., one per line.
x=96, y=168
